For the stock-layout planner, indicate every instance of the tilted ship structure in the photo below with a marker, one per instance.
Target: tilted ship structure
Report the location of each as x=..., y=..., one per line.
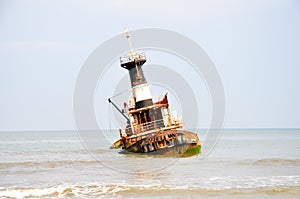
x=150, y=127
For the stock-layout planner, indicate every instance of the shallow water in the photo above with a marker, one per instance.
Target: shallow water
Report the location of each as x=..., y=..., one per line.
x=245, y=163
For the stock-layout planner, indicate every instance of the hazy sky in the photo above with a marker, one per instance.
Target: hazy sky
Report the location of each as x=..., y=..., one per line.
x=254, y=44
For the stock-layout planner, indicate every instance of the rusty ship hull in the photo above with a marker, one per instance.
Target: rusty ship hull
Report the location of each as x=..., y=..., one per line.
x=170, y=142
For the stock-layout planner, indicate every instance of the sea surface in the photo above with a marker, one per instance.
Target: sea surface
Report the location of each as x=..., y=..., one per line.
x=247, y=163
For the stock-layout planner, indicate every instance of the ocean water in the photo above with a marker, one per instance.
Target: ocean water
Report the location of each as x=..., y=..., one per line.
x=255, y=163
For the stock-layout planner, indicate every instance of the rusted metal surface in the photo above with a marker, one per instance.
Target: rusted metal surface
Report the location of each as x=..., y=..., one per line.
x=170, y=142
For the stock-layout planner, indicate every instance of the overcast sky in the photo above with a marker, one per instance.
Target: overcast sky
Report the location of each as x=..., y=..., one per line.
x=254, y=44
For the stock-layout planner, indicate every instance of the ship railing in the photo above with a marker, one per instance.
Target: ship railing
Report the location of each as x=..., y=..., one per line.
x=138, y=128
x=135, y=56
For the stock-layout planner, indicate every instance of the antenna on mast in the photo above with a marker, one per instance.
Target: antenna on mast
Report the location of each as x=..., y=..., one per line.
x=128, y=39
x=131, y=54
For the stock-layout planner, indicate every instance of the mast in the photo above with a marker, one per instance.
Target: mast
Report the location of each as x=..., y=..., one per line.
x=128, y=39
x=144, y=115
x=133, y=62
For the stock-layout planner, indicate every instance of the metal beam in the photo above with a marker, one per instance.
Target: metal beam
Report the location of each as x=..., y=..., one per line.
x=109, y=100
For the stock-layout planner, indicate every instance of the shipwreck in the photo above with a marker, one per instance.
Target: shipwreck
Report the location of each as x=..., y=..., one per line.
x=150, y=127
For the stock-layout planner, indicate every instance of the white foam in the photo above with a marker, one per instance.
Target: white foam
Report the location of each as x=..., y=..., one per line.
x=96, y=189
x=30, y=192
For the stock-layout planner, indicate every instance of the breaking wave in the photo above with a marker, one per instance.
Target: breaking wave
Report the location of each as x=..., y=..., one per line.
x=211, y=186
x=95, y=190
x=278, y=160
x=272, y=161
